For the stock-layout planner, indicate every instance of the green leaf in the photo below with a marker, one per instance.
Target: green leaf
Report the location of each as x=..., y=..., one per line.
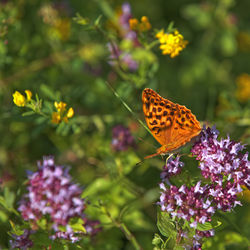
x=78, y=226
x=97, y=21
x=218, y=224
x=170, y=27
x=48, y=92
x=3, y=216
x=2, y=201
x=42, y=223
x=41, y=238
x=28, y=113
x=60, y=128
x=107, y=10
x=178, y=248
x=41, y=119
x=80, y=20
x=9, y=198
x=204, y=227
x=157, y=240
x=16, y=228
x=76, y=129
x=165, y=224
x=66, y=129
x=208, y=226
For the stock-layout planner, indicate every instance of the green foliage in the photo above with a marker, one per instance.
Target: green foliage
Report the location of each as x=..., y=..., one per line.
x=59, y=51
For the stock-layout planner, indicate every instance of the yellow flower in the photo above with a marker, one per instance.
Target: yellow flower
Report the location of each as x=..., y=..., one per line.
x=171, y=43
x=19, y=99
x=145, y=24
x=61, y=114
x=133, y=23
x=61, y=106
x=160, y=34
x=243, y=87
x=28, y=94
x=70, y=112
x=56, y=118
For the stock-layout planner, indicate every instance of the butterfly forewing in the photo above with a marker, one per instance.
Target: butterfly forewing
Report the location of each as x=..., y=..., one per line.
x=157, y=115
x=171, y=124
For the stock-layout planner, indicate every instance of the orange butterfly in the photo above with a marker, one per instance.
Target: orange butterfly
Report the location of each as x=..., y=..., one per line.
x=171, y=124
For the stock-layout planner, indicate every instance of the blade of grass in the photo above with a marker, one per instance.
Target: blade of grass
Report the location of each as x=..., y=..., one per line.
x=127, y=107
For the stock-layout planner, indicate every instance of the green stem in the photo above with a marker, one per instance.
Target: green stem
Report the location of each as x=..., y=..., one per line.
x=130, y=237
x=151, y=45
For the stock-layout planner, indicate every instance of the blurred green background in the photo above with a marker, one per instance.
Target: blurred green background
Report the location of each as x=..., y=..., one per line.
x=43, y=49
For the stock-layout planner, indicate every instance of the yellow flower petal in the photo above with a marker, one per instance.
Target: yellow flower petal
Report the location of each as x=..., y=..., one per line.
x=19, y=99
x=145, y=24
x=159, y=34
x=144, y=19
x=70, y=113
x=56, y=118
x=171, y=44
x=61, y=106
x=28, y=94
x=133, y=23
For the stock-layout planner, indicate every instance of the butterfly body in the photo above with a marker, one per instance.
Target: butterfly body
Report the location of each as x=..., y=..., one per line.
x=171, y=124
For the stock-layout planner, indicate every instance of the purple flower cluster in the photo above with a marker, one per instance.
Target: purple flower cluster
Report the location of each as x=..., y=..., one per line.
x=21, y=241
x=172, y=168
x=187, y=203
x=227, y=168
x=122, y=138
x=195, y=241
x=91, y=227
x=68, y=235
x=52, y=193
x=197, y=238
x=223, y=162
x=126, y=31
x=116, y=54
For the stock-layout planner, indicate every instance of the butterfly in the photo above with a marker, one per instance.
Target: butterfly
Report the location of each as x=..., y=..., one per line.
x=171, y=124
